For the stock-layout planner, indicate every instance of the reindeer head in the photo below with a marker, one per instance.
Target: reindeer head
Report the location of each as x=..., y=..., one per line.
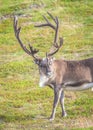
x=44, y=64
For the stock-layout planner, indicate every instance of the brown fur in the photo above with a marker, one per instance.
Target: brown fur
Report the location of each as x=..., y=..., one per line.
x=75, y=71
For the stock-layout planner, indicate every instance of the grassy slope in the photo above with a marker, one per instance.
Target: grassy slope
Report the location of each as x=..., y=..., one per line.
x=23, y=105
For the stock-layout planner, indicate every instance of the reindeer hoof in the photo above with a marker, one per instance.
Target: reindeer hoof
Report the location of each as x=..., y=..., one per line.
x=64, y=114
x=51, y=118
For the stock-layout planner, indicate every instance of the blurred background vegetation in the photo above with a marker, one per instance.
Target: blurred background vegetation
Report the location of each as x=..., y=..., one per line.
x=23, y=105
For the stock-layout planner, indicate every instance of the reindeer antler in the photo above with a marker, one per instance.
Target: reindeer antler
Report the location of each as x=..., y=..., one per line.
x=56, y=28
x=17, y=30
x=31, y=51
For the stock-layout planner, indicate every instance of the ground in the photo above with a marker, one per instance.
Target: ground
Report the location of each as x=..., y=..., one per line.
x=23, y=104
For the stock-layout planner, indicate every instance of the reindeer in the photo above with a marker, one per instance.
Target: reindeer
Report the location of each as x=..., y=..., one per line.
x=59, y=74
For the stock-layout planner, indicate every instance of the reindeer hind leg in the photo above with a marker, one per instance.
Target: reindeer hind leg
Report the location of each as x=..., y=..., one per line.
x=64, y=114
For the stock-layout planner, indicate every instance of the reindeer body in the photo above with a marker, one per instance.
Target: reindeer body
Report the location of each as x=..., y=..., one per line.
x=69, y=74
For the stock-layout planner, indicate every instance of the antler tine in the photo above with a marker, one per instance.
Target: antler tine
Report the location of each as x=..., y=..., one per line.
x=33, y=51
x=51, y=17
x=57, y=48
x=17, y=30
x=46, y=24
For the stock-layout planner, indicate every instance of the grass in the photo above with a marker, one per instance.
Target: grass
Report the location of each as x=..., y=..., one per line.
x=23, y=105
x=84, y=128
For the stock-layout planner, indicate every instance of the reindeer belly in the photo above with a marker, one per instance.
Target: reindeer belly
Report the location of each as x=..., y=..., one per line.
x=78, y=87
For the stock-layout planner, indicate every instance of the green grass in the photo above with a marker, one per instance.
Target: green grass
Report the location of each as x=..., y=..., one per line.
x=91, y=128
x=23, y=105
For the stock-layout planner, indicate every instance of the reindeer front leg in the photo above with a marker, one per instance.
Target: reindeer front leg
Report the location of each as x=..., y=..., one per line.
x=64, y=114
x=57, y=93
